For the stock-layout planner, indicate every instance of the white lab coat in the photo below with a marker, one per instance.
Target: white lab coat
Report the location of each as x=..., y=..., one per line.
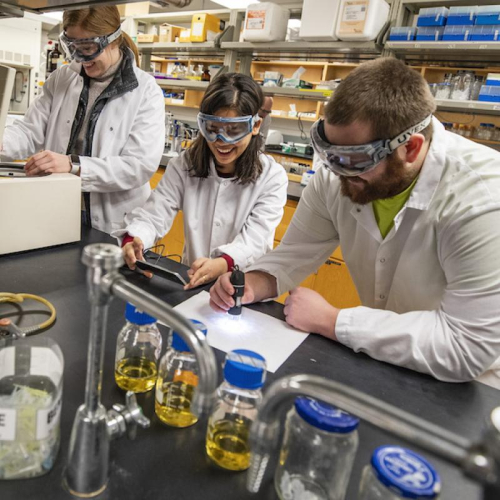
x=431, y=289
x=128, y=141
x=220, y=215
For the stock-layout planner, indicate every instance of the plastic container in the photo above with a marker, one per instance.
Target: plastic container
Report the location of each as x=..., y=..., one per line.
x=462, y=16
x=430, y=34
x=265, y=22
x=488, y=14
x=485, y=33
x=403, y=34
x=176, y=382
x=489, y=93
x=397, y=473
x=319, y=20
x=361, y=20
x=138, y=348
x=31, y=384
x=238, y=397
x=462, y=86
x=457, y=33
x=318, y=451
x=306, y=177
x=493, y=79
x=443, y=91
x=434, y=16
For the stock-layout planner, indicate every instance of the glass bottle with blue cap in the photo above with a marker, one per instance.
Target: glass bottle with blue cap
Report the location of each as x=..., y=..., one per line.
x=319, y=446
x=238, y=396
x=177, y=379
x=138, y=349
x=397, y=473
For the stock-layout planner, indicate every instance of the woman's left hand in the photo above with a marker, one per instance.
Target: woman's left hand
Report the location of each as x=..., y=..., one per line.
x=47, y=162
x=205, y=270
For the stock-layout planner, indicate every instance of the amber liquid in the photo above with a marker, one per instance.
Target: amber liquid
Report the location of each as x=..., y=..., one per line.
x=227, y=443
x=136, y=374
x=173, y=403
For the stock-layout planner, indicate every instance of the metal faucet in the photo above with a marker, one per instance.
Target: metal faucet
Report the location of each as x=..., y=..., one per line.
x=478, y=460
x=87, y=470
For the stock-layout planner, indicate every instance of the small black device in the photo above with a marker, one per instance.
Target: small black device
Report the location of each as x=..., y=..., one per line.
x=238, y=281
x=163, y=272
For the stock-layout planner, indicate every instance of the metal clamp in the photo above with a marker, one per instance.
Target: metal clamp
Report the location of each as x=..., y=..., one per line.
x=125, y=418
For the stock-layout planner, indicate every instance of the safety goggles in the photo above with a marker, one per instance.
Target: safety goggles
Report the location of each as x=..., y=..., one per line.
x=86, y=49
x=350, y=161
x=229, y=130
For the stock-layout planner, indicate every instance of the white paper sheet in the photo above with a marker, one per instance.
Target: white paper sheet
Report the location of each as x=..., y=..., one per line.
x=268, y=336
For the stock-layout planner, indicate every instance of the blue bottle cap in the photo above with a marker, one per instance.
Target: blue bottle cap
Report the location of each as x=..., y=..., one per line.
x=324, y=416
x=245, y=369
x=405, y=472
x=134, y=315
x=178, y=342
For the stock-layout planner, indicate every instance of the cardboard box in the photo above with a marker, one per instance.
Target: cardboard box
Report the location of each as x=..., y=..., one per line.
x=168, y=32
x=185, y=35
x=205, y=27
x=142, y=38
x=133, y=9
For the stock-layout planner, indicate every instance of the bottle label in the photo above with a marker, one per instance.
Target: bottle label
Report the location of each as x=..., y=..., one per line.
x=7, y=424
x=256, y=20
x=48, y=419
x=187, y=377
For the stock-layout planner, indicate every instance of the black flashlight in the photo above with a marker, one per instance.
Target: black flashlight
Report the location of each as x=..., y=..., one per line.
x=238, y=281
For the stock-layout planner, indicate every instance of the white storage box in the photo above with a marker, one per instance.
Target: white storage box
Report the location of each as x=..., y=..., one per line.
x=39, y=212
x=265, y=22
x=361, y=20
x=319, y=20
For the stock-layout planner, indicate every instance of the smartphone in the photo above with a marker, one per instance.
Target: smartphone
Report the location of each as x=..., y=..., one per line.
x=163, y=272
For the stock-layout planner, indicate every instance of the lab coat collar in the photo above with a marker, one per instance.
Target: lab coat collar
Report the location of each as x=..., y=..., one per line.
x=215, y=175
x=431, y=170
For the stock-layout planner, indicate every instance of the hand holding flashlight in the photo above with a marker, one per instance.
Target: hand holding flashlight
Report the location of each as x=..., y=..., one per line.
x=238, y=281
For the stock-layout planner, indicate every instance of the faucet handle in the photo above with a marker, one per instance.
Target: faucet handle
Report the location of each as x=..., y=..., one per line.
x=125, y=418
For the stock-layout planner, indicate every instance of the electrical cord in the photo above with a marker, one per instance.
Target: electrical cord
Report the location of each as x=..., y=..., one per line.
x=18, y=298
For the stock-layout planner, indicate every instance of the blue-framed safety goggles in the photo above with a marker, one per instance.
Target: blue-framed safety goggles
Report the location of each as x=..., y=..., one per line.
x=350, y=161
x=86, y=49
x=229, y=130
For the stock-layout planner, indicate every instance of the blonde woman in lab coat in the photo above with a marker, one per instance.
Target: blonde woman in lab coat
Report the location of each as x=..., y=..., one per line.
x=100, y=117
x=231, y=195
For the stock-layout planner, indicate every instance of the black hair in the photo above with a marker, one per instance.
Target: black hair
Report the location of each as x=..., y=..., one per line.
x=241, y=93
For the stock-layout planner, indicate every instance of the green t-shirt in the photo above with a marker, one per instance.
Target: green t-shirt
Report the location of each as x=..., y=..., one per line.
x=385, y=210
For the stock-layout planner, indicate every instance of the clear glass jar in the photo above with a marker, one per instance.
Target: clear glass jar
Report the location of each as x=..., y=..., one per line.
x=397, y=473
x=31, y=383
x=318, y=451
x=236, y=408
x=176, y=382
x=443, y=91
x=138, y=349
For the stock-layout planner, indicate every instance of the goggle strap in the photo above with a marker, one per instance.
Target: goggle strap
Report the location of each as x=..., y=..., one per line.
x=405, y=136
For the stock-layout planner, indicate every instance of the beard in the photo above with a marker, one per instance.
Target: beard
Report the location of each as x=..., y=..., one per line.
x=395, y=179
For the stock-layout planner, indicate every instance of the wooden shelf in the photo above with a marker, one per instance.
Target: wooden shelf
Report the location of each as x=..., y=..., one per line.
x=303, y=118
x=307, y=47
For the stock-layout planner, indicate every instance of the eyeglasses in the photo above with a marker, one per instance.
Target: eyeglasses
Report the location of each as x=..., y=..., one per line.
x=86, y=49
x=229, y=130
x=350, y=161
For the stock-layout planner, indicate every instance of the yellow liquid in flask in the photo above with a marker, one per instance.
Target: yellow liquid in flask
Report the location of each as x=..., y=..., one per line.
x=227, y=443
x=136, y=374
x=173, y=403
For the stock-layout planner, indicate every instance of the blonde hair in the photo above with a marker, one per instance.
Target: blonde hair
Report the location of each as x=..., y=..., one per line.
x=384, y=93
x=100, y=21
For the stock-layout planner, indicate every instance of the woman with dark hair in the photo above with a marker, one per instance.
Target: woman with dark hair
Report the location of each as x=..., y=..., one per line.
x=100, y=117
x=231, y=194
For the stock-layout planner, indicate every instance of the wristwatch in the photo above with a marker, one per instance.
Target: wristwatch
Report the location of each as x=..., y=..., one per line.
x=74, y=161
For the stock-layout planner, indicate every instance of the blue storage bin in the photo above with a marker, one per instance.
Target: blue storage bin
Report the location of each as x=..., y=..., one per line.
x=457, y=33
x=485, y=34
x=435, y=16
x=493, y=79
x=489, y=93
x=403, y=34
x=488, y=14
x=462, y=16
x=430, y=34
